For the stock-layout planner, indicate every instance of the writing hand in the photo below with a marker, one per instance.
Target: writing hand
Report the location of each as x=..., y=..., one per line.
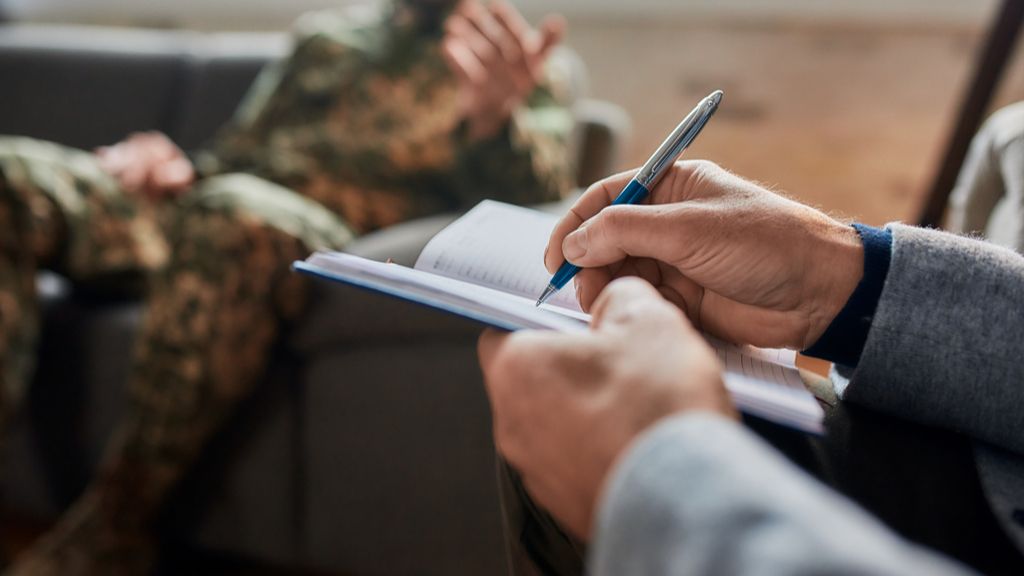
x=744, y=263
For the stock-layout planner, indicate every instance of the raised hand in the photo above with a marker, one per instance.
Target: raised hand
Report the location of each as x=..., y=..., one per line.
x=744, y=263
x=498, y=60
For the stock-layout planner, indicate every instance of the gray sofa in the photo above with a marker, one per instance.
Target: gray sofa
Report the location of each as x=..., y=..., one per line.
x=365, y=450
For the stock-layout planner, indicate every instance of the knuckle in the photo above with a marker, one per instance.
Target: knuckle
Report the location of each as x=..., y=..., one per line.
x=611, y=220
x=628, y=286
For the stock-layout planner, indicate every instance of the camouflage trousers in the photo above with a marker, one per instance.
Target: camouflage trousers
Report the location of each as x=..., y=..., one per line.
x=216, y=263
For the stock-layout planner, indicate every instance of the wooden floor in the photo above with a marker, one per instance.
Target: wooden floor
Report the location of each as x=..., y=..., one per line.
x=851, y=118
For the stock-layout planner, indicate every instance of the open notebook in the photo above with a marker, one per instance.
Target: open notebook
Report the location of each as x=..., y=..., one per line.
x=488, y=266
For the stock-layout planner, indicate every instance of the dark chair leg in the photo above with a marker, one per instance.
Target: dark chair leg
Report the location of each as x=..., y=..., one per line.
x=999, y=44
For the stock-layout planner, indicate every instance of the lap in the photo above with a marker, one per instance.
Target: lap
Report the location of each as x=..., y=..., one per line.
x=108, y=233
x=103, y=232
x=249, y=199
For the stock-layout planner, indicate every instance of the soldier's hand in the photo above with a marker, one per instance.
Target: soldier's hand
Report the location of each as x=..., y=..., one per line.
x=148, y=163
x=498, y=60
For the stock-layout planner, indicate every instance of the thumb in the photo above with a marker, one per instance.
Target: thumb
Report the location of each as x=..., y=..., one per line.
x=641, y=231
x=552, y=30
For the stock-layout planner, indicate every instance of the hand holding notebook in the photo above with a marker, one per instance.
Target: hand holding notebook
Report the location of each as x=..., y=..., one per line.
x=487, y=266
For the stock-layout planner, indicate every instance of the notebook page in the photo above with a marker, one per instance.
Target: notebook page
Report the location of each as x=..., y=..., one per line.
x=500, y=246
x=766, y=383
x=479, y=302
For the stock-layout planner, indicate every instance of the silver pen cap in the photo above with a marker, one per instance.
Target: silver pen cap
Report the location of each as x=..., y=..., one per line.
x=666, y=154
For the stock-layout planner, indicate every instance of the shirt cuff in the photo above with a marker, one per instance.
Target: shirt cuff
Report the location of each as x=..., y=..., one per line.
x=843, y=340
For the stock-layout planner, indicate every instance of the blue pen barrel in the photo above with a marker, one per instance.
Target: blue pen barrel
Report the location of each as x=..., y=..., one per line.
x=633, y=193
x=565, y=273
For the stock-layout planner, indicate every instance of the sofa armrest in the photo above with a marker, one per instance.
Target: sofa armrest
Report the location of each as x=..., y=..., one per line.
x=602, y=129
x=341, y=315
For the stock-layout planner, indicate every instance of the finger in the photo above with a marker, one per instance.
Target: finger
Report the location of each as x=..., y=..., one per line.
x=462, y=62
x=597, y=196
x=171, y=177
x=589, y=284
x=660, y=232
x=621, y=300
x=552, y=30
x=490, y=28
x=468, y=29
x=511, y=19
x=111, y=159
x=515, y=29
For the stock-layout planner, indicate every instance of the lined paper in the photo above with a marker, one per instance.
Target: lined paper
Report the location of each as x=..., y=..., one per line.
x=498, y=246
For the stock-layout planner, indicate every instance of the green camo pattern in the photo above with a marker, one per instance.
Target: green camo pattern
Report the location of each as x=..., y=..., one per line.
x=356, y=130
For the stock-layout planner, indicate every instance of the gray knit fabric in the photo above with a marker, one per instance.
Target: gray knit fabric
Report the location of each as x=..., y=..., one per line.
x=700, y=495
x=946, y=347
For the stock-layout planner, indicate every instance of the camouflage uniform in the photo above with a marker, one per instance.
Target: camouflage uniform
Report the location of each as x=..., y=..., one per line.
x=358, y=129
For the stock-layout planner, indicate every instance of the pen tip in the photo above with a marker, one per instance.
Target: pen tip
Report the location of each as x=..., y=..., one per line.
x=547, y=294
x=716, y=97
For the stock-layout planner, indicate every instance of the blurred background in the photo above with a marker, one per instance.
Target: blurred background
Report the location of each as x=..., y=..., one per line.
x=848, y=105
x=845, y=104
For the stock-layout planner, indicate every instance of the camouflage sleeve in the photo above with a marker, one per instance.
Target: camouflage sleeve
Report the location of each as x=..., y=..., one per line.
x=216, y=158
x=233, y=147
x=528, y=161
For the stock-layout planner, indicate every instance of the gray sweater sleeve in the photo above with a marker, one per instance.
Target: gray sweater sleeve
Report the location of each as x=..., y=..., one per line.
x=946, y=347
x=700, y=495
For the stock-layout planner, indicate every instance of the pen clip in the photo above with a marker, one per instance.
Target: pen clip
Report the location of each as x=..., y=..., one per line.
x=680, y=138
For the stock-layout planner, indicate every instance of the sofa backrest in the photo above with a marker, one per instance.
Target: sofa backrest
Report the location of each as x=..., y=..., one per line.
x=88, y=86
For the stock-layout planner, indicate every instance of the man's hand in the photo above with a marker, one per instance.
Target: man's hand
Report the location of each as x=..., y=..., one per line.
x=745, y=264
x=498, y=60
x=148, y=163
x=566, y=406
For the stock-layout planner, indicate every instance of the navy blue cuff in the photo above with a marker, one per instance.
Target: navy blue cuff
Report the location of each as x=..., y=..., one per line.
x=843, y=340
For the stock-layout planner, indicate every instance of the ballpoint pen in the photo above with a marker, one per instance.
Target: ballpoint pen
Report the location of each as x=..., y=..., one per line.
x=649, y=175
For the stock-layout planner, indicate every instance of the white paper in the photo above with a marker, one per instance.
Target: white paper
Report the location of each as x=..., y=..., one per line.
x=499, y=246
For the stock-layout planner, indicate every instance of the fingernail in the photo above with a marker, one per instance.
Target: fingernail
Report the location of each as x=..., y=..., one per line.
x=575, y=245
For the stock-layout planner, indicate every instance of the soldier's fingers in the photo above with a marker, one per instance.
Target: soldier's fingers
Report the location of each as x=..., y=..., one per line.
x=516, y=29
x=133, y=177
x=462, y=61
x=465, y=31
x=552, y=30
x=491, y=30
x=111, y=159
x=511, y=19
x=171, y=177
